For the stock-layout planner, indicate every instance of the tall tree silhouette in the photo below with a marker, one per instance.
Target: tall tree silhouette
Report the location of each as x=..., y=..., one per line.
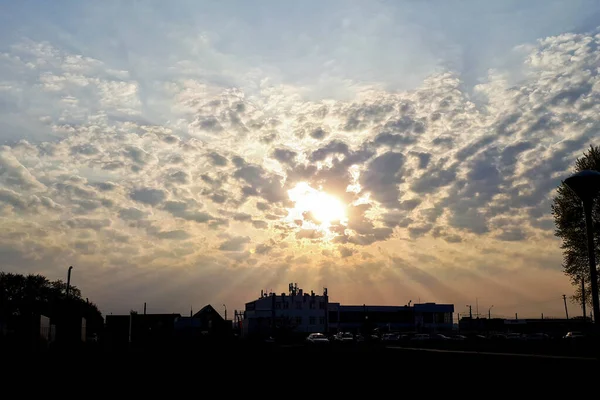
x=569, y=219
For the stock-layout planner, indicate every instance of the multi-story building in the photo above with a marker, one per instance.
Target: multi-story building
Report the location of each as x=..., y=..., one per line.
x=301, y=312
x=427, y=317
x=295, y=311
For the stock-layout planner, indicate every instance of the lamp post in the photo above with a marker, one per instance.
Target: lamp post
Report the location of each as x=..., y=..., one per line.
x=586, y=185
x=69, y=281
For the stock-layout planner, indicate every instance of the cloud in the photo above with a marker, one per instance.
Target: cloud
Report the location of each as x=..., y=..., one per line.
x=148, y=196
x=444, y=185
x=237, y=243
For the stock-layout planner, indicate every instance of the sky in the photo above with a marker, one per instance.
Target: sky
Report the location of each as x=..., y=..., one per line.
x=192, y=152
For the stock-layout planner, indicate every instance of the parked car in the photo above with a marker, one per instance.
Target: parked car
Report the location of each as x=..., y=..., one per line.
x=390, y=338
x=574, y=335
x=459, y=337
x=537, y=336
x=344, y=337
x=514, y=336
x=420, y=337
x=317, y=338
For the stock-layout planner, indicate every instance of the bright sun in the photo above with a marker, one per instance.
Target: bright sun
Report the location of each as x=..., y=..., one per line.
x=324, y=208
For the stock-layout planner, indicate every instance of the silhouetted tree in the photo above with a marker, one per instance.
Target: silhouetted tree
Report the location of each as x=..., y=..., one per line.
x=35, y=294
x=569, y=219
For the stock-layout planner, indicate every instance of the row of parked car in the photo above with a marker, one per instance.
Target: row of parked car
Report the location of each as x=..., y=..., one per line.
x=392, y=338
x=398, y=337
x=341, y=337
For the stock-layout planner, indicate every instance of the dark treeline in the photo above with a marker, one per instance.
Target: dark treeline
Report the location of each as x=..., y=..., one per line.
x=32, y=295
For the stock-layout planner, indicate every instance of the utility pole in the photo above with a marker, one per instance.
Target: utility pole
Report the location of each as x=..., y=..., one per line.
x=566, y=310
x=490, y=312
x=477, y=306
x=470, y=312
x=130, y=325
x=144, y=308
x=516, y=317
x=583, y=296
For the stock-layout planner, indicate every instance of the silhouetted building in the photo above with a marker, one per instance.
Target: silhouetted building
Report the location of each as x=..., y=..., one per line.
x=140, y=330
x=552, y=326
x=116, y=331
x=481, y=325
x=212, y=321
x=207, y=321
x=26, y=332
x=295, y=311
x=427, y=317
x=301, y=312
x=71, y=330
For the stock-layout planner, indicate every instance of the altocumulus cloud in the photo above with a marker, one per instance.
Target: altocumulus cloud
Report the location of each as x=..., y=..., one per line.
x=443, y=193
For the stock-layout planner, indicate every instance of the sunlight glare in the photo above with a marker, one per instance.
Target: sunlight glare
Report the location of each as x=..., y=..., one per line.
x=325, y=208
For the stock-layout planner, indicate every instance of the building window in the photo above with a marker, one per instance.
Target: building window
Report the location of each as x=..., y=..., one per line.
x=298, y=320
x=298, y=305
x=286, y=305
x=311, y=320
x=321, y=320
x=448, y=318
x=278, y=305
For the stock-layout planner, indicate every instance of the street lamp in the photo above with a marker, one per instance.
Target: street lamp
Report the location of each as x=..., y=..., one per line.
x=69, y=281
x=586, y=185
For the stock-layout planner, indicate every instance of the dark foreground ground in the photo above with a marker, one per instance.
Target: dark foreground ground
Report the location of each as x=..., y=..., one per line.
x=302, y=371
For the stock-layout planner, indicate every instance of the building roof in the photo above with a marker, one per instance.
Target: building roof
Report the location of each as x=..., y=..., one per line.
x=208, y=310
x=173, y=315
x=424, y=307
